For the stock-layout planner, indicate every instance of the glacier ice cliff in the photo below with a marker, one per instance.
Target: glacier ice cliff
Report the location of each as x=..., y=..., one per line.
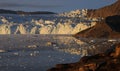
x=16, y=24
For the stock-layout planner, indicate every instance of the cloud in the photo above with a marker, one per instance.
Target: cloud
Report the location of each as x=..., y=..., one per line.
x=27, y=5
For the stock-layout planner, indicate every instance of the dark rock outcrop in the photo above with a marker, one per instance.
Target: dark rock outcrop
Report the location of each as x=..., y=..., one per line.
x=108, y=61
x=110, y=10
x=108, y=28
x=113, y=22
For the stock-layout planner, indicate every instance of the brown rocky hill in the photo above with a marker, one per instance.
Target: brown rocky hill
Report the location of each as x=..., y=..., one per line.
x=108, y=28
x=110, y=10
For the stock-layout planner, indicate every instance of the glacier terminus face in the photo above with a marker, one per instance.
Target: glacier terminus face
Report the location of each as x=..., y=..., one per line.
x=64, y=23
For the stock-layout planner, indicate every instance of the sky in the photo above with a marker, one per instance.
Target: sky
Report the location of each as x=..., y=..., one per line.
x=53, y=5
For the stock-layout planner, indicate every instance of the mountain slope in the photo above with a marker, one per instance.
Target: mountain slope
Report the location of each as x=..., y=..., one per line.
x=109, y=28
x=110, y=10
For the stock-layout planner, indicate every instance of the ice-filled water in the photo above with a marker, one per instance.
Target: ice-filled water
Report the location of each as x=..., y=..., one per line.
x=39, y=42
x=41, y=52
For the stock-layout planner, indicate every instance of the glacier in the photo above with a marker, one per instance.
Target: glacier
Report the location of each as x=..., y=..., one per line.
x=65, y=23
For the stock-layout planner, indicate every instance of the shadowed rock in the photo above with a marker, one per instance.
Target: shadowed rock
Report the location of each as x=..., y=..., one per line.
x=113, y=22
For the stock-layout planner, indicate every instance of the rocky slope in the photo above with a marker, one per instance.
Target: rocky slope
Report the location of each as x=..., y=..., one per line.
x=110, y=10
x=108, y=61
x=109, y=28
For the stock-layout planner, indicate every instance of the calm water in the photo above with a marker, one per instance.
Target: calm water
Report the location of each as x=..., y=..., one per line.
x=41, y=52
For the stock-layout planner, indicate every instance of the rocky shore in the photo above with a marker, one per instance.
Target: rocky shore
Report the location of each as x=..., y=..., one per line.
x=108, y=61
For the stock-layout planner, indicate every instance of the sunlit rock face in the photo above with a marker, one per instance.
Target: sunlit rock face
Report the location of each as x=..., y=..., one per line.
x=65, y=23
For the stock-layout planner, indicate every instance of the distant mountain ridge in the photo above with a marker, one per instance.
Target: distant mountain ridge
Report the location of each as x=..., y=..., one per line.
x=109, y=10
x=3, y=11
